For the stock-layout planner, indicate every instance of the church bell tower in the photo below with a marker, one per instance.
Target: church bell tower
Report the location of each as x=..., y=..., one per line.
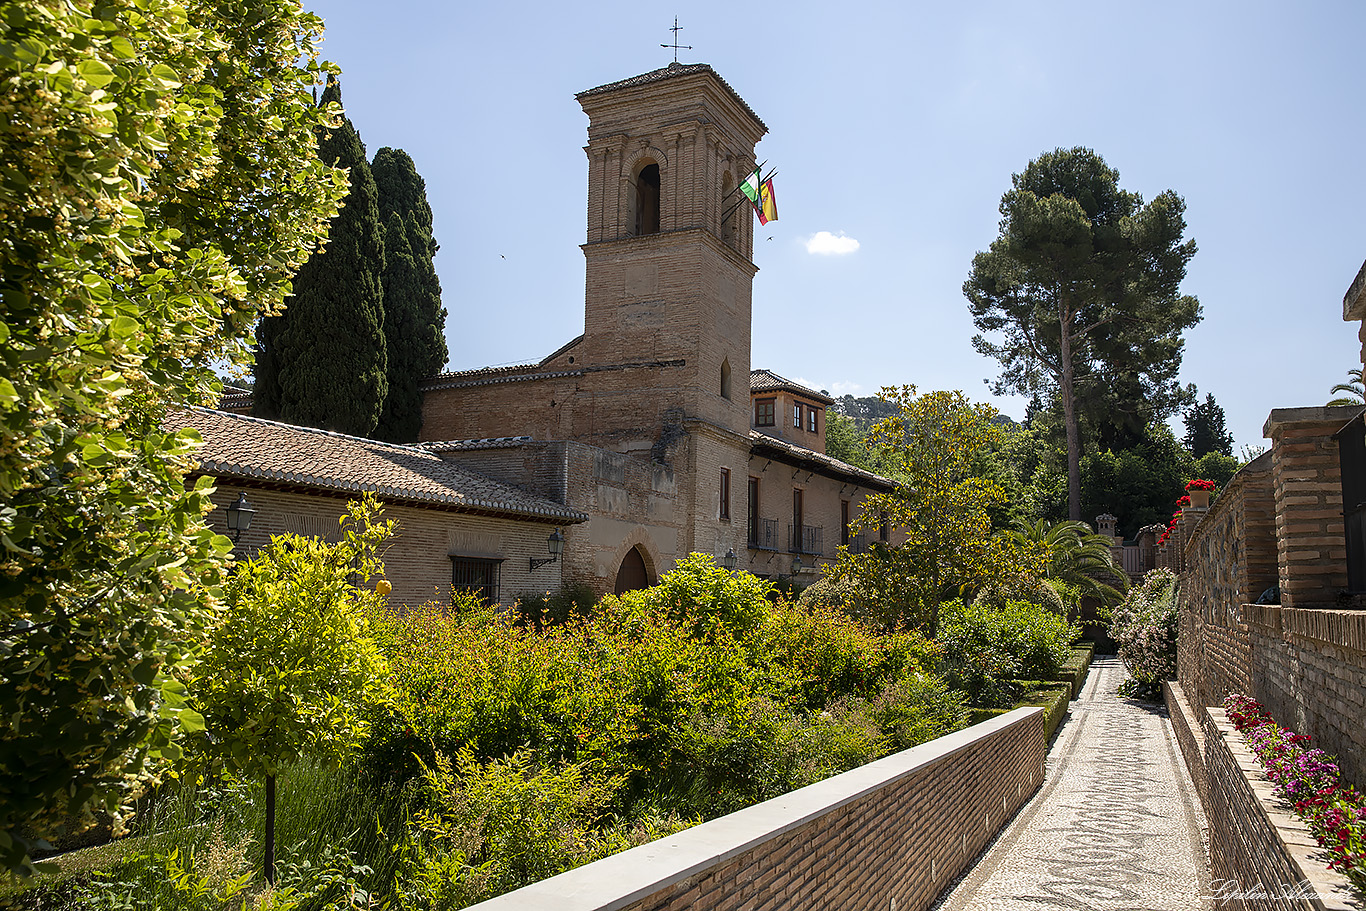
x=668, y=274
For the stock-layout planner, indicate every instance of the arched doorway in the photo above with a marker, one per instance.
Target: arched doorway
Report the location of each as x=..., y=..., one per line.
x=632, y=574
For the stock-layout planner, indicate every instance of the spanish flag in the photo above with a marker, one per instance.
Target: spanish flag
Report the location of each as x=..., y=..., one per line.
x=768, y=203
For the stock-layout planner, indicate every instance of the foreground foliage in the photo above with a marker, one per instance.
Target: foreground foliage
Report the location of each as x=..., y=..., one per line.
x=684, y=701
x=1308, y=780
x=289, y=671
x=158, y=188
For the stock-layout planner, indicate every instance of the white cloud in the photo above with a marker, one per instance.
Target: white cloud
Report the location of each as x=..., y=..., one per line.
x=843, y=388
x=827, y=244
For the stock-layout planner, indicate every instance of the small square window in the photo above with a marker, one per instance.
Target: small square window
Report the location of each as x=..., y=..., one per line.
x=476, y=576
x=763, y=412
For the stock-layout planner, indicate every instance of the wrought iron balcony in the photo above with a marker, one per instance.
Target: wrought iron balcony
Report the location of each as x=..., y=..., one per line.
x=805, y=539
x=764, y=535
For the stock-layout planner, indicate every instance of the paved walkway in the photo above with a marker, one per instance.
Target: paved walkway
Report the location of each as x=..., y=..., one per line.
x=1116, y=825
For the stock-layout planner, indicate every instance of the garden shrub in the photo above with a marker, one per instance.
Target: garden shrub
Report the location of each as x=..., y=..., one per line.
x=987, y=648
x=1145, y=627
x=571, y=601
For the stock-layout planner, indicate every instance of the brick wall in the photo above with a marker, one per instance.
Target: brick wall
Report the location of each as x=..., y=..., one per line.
x=1307, y=478
x=417, y=558
x=895, y=832
x=1258, y=848
x=1308, y=667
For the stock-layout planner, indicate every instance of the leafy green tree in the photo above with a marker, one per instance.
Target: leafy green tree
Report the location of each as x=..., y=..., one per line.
x=1138, y=485
x=414, y=319
x=1205, y=430
x=1083, y=286
x=289, y=671
x=1216, y=467
x=1353, y=389
x=159, y=186
x=843, y=440
x=1076, y=557
x=942, y=508
x=323, y=362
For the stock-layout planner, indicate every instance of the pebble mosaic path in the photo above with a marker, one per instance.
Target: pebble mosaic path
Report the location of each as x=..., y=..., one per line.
x=1117, y=824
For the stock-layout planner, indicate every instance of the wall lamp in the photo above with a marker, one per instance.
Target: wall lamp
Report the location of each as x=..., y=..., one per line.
x=729, y=560
x=239, y=516
x=797, y=565
x=555, y=544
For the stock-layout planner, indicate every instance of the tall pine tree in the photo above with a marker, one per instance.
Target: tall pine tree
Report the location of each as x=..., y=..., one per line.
x=414, y=320
x=323, y=361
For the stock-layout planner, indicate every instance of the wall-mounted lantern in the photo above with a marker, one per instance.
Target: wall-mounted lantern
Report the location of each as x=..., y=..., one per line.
x=797, y=565
x=729, y=560
x=555, y=544
x=239, y=516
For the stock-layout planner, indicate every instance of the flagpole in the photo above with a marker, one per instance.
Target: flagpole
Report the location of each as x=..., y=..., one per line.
x=736, y=189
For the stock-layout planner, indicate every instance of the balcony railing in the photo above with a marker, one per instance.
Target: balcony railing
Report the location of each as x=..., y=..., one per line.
x=765, y=535
x=859, y=543
x=805, y=539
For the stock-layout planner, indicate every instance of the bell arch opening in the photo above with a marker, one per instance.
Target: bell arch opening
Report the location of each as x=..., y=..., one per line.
x=647, y=199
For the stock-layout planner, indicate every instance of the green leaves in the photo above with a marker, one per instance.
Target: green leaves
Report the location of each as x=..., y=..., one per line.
x=115, y=308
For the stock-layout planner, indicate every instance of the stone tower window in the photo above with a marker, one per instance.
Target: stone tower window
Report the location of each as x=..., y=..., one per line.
x=725, y=379
x=647, y=200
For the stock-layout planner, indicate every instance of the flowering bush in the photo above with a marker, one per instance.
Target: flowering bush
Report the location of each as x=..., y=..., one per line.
x=1308, y=780
x=1201, y=484
x=1184, y=501
x=1144, y=626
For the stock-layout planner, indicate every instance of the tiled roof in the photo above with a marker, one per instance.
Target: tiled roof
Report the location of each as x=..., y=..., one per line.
x=246, y=447
x=467, y=445
x=490, y=375
x=768, y=381
x=672, y=71
x=764, y=445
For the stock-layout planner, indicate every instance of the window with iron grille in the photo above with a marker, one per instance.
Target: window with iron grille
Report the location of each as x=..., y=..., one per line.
x=763, y=413
x=476, y=575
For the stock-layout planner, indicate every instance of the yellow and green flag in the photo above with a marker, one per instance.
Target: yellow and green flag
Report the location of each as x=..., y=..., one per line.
x=760, y=193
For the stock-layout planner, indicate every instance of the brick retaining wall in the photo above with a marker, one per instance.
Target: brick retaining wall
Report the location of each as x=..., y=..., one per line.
x=1259, y=851
x=893, y=833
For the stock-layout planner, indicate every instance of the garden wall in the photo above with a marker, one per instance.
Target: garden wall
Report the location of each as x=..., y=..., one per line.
x=893, y=833
x=1307, y=665
x=1261, y=856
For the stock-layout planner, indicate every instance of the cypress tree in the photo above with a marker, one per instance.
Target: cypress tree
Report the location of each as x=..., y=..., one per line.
x=415, y=320
x=323, y=361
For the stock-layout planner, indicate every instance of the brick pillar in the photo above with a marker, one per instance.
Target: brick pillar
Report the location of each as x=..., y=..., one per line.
x=1307, y=485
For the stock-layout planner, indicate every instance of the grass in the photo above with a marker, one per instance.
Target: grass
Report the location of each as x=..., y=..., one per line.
x=332, y=833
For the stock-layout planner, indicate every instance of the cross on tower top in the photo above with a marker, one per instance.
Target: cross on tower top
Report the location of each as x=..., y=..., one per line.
x=676, y=46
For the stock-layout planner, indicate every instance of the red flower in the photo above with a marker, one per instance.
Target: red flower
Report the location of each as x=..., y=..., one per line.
x=1184, y=501
x=1200, y=484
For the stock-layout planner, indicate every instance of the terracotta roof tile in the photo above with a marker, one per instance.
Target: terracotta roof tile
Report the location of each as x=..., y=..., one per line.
x=783, y=451
x=672, y=71
x=247, y=447
x=768, y=381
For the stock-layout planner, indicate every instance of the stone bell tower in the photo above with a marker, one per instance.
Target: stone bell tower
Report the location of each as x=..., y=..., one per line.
x=668, y=276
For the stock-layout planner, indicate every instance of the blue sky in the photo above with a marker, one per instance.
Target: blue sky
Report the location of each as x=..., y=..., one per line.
x=898, y=126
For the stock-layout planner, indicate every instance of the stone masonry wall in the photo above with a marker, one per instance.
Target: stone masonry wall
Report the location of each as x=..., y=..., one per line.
x=893, y=833
x=1261, y=856
x=417, y=558
x=1230, y=559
